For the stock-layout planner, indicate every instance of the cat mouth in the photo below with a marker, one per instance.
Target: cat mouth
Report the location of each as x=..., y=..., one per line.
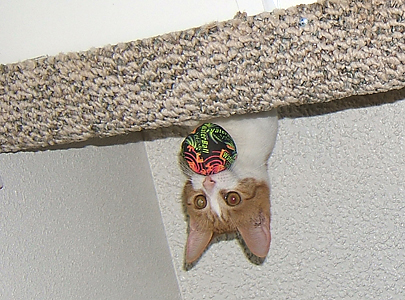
x=209, y=183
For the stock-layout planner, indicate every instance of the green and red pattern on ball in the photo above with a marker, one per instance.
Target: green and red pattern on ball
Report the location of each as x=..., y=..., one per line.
x=209, y=149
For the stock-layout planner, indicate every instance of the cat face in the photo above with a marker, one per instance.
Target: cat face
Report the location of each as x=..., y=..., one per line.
x=222, y=203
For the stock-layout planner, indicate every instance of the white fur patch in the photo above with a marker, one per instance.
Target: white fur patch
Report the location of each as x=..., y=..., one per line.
x=213, y=200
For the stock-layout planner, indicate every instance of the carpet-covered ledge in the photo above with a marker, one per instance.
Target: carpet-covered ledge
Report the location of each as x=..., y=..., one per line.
x=306, y=54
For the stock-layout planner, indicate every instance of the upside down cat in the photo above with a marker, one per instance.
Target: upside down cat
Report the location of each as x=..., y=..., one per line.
x=238, y=198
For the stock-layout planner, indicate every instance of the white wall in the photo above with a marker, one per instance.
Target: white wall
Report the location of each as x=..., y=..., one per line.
x=82, y=224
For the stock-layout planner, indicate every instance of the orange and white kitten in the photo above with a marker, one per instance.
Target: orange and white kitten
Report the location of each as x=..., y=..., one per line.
x=237, y=199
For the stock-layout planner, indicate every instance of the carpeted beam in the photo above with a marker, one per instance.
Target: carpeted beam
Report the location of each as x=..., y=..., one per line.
x=306, y=54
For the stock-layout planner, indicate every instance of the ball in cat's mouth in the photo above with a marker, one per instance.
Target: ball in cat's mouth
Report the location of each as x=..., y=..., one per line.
x=209, y=149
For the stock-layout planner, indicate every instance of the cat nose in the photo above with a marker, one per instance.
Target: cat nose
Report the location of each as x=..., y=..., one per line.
x=208, y=183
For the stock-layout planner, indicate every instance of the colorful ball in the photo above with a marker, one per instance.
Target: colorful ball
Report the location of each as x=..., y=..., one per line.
x=209, y=149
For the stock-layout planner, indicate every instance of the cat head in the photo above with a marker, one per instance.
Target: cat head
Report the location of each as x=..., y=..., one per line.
x=221, y=203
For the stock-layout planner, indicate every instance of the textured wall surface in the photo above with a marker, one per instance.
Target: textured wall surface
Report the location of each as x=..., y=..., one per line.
x=82, y=224
x=338, y=212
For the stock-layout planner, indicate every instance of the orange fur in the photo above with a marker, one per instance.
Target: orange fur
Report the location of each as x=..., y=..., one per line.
x=251, y=218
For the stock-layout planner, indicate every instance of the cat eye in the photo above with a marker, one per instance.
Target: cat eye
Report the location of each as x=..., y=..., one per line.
x=200, y=202
x=232, y=198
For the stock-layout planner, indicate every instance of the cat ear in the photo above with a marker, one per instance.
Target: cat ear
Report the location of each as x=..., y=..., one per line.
x=256, y=235
x=196, y=242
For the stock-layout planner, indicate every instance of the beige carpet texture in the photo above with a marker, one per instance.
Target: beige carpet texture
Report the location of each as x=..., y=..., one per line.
x=306, y=54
